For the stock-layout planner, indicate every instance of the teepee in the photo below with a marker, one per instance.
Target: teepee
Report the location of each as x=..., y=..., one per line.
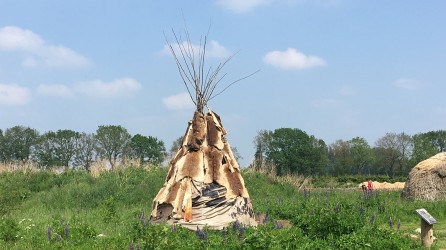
x=204, y=186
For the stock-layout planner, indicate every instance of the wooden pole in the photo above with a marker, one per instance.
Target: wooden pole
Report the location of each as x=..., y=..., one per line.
x=427, y=234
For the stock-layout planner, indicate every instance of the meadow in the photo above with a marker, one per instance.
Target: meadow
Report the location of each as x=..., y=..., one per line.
x=75, y=210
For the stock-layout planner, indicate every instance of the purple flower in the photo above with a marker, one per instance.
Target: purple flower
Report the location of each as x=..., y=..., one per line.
x=337, y=208
x=372, y=219
x=131, y=246
x=390, y=222
x=361, y=210
x=202, y=235
x=66, y=231
x=143, y=218
x=50, y=233
x=398, y=225
x=265, y=220
x=305, y=193
x=174, y=228
x=58, y=238
x=277, y=225
x=223, y=234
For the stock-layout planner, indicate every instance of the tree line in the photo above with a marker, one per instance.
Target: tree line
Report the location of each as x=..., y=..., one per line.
x=284, y=150
x=71, y=149
x=292, y=151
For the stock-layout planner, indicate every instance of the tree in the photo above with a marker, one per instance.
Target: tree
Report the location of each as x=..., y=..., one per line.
x=361, y=154
x=57, y=148
x=86, y=151
x=148, y=149
x=428, y=144
x=293, y=151
x=261, y=144
x=18, y=142
x=396, y=152
x=340, y=157
x=113, y=143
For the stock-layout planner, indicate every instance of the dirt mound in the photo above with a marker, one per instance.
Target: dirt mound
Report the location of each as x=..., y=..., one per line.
x=384, y=185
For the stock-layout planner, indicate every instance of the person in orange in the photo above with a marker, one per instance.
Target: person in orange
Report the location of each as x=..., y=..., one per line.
x=369, y=185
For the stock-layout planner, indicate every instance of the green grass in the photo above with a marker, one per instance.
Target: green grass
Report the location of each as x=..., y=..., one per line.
x=106, y=213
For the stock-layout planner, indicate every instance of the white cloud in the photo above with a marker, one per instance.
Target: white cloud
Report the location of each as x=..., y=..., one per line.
x=38, y=52
x=96, y=88
x=213, y=49
x=327, y=103
x=408, y=84
x=178, y=102
x=57, y=90
x=119, y=87
x=13, y=94
x=347, y=90
x=242, y=6
x=292, y=59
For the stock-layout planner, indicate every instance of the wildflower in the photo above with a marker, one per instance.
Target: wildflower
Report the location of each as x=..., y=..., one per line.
x=337, y=208
x=131, y=246
x=278, y=225
x=66, y=231
x=143, y=222
x=305, y=193
x=265, y=220
x=58, y=238
x=223, y=234
x=241, y=234
x=50, y=233
x=372, y=219
x=174, y=228
x=236, y=225
x=361, y=210
x=390, y=222
x=398, y=225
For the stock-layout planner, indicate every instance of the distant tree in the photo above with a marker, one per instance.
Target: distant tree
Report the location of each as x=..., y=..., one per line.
x=2, y=147
x=428, y=144
x=18, y=142
x=57, y=148
x=261, y=144
x=362, y=155
x=85, y=151
x=293, y=151
x=340, y=157
x=396, y=152
x=113, y=143
x=148, y=149
x=176, y=145
x=236, y=154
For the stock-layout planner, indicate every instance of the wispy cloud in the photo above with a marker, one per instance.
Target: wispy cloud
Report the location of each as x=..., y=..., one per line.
x=242, y=6
x=292, y=59
x=180, y=101
x=96, y=88
x=38, y=52
x=346, y=90
x=327, y=103
x=408, y=84
x=13, y=94
x=57, y=90
x=213, y=49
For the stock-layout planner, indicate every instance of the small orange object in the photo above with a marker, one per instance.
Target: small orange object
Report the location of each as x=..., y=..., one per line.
x=188, y=210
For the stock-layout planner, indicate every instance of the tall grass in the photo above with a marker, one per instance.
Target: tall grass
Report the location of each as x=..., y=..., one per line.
x=110, y=210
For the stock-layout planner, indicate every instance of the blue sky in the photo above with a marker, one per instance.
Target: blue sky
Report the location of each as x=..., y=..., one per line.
x=336, y=69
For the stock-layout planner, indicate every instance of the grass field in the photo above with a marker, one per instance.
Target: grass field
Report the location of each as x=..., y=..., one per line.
x=74, y=210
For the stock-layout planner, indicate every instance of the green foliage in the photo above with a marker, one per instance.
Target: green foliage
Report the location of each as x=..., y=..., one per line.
x=113, y=143
x=148, y=149
x=9, y=230
x=292, y=151
x=112, y=212
x=17, y=143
